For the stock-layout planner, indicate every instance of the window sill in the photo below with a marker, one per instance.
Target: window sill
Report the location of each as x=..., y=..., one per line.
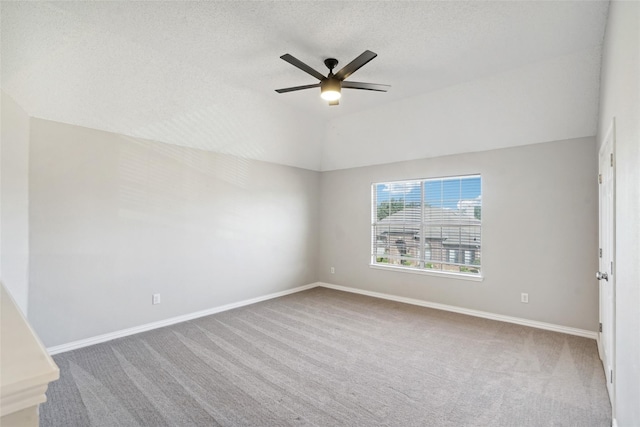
x=446, y=275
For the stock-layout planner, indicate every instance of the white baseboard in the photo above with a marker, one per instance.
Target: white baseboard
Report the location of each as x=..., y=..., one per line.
x=166, y=322
x=161, y=323
x=476, y=313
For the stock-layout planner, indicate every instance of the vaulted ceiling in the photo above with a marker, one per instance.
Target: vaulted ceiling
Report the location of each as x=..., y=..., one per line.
x=464, y=76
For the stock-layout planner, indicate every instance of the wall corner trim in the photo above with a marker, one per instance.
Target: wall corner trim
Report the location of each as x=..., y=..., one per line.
x=74, y=345
x=476, y=313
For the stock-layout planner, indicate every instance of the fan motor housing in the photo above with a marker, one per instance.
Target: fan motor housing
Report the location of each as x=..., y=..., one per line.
x=330, y=84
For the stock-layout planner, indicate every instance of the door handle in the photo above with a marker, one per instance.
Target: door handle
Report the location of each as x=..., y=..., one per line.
x=602, y=276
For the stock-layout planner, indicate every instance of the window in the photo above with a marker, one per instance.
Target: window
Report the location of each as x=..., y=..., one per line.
x=428, y=224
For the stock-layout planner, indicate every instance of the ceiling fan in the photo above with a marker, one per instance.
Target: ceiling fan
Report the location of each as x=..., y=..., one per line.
x=330, y=86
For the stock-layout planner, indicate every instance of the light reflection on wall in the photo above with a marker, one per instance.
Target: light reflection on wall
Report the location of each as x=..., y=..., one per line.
x=179, y=186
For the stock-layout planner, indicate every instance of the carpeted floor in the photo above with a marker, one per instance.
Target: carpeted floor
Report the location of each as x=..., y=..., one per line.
x=329, y=358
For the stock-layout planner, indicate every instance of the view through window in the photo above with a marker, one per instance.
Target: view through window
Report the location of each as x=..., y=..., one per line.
x=428, y=224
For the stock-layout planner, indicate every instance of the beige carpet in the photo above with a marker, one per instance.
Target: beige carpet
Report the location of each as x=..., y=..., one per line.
x=329, y=358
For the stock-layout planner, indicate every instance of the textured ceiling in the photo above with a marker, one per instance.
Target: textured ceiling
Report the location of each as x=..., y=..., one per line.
x=203, y=74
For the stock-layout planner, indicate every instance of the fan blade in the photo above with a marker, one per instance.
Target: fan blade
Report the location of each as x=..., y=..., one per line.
x=365, y=86
x=291, y=89
x=304, y=67
x=354, y=65
x=336, y=102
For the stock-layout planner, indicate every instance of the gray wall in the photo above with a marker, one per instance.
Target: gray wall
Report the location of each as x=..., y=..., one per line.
x=620, y=98
x=114, y=220
x=14, y=201
x=539, y=232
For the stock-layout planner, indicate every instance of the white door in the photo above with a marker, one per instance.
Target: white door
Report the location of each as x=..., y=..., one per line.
x=606, y=273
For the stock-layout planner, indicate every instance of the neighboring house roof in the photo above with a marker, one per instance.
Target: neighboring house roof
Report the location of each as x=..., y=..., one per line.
x=454, y=227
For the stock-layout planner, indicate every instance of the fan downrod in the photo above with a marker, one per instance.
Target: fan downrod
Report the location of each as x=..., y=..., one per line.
x=331, y=63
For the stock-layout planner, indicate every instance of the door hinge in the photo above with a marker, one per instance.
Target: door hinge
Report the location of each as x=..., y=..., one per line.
x=599, y=178
x=611, y=158
x=600, y=327
x=600, y=252
x=611, y=376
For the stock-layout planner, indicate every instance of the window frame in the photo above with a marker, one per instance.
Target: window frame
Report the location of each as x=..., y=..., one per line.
x=420, y=225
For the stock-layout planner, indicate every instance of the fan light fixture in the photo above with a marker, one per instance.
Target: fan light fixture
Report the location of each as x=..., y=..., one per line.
x=330, y=90
x=331, y=86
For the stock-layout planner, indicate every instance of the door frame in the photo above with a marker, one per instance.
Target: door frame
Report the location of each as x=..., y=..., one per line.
x=608, y=146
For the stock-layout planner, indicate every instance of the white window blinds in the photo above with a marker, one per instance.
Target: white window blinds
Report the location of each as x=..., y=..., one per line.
x=429, y=224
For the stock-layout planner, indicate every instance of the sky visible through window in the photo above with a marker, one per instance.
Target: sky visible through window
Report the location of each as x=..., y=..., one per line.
x=441, y=192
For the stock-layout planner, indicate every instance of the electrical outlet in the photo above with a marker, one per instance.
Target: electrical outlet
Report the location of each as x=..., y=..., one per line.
x=333, y=270
x=155, y=299
x=524, y=298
